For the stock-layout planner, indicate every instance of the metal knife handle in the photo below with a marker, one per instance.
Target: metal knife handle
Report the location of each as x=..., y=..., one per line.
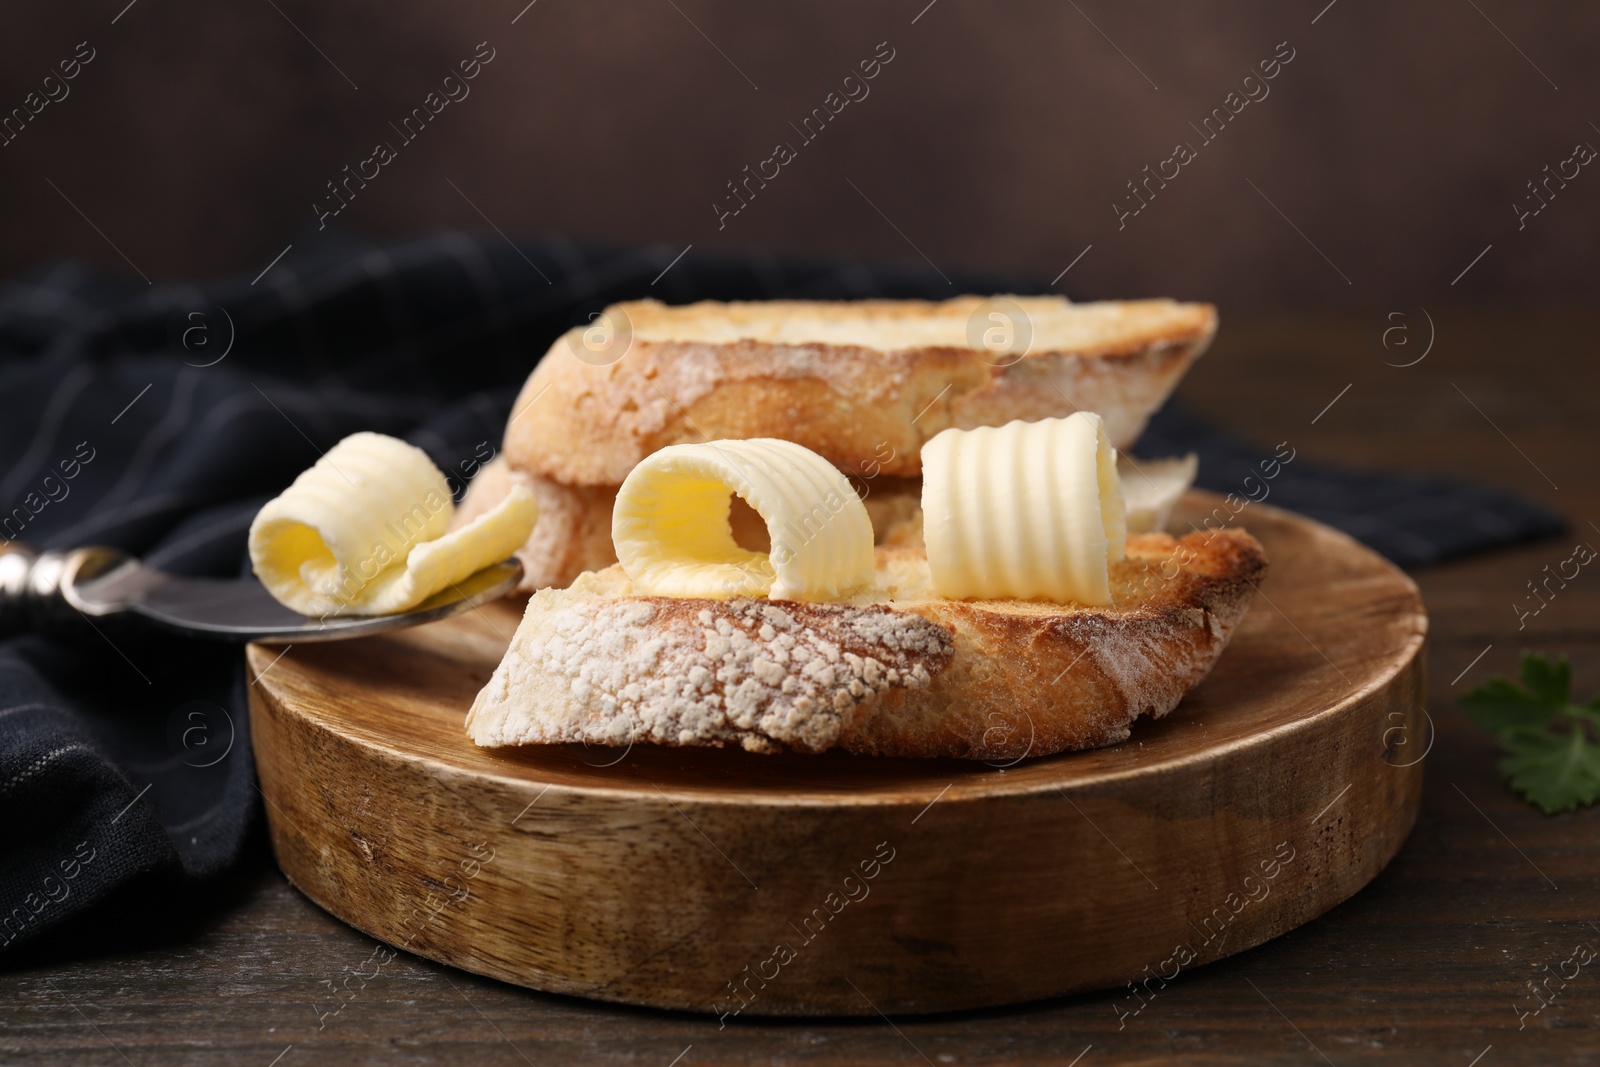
x=37, y=588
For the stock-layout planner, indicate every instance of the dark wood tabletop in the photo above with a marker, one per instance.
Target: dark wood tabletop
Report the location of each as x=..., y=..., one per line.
x=1431, y=963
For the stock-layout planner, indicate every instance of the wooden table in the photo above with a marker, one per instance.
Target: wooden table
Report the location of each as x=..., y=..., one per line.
x=1428, y=964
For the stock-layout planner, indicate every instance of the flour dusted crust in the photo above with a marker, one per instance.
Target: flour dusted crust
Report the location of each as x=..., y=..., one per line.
x=857, y=382
x=897, y=672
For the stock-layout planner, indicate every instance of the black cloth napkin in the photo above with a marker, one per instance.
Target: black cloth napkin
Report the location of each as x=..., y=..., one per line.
x=1412, y=519
x=158, y=419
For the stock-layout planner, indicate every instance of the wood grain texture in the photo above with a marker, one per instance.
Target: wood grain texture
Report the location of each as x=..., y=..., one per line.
x=724, y=881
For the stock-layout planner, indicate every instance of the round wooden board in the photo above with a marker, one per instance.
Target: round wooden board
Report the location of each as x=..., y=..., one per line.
x=725, y=881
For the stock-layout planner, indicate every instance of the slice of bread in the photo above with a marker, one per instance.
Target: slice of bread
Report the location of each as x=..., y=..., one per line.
x=863, y=384
x=895, y=672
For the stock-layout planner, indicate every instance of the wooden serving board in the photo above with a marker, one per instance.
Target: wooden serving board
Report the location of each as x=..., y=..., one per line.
x=724, y=881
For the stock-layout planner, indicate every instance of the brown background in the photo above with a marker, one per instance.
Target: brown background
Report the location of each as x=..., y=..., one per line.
x=1396, y=140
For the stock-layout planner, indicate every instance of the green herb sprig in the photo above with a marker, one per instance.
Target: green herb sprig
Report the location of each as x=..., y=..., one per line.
x=1552, y=745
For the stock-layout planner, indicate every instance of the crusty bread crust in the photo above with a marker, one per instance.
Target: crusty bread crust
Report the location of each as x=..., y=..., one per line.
x=863, y=384
x=895, y=673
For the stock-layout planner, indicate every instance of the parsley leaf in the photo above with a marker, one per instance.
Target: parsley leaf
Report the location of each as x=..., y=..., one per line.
x=1552, y=745
x=1556, y=772
x=1501, y=704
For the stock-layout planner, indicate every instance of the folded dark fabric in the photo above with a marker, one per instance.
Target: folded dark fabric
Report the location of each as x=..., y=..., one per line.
x=1413, y=519
x=158, y=419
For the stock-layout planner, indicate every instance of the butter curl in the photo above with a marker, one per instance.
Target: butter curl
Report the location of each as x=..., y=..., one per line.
x=366, y=531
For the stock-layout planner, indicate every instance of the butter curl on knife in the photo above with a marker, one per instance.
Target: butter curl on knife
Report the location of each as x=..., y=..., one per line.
x=366, y=531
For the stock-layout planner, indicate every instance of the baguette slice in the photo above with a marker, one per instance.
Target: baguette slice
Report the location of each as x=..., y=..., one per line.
x=897, y=672
x=863, y=384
